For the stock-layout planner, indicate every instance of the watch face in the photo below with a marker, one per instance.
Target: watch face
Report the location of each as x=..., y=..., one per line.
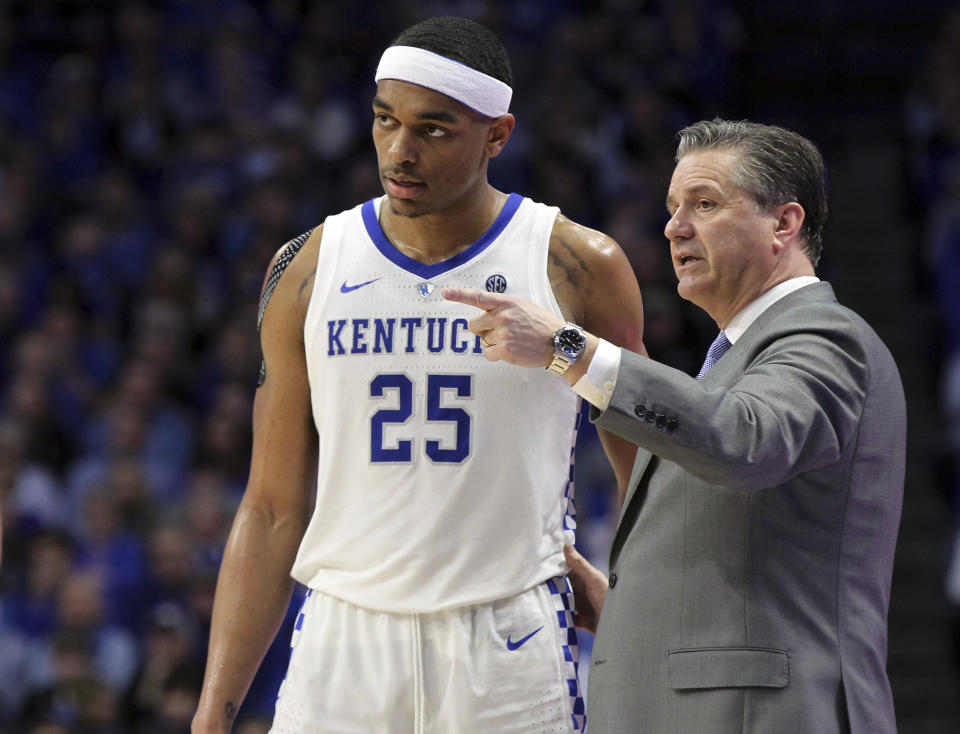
x=570, y=341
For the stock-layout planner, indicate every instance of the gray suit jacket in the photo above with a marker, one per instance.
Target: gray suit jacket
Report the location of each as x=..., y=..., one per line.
x=750, y=572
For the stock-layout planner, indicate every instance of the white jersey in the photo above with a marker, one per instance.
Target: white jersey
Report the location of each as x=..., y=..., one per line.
x=444, y=479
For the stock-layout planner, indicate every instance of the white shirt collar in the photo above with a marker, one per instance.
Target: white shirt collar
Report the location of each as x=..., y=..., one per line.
x=749, y=313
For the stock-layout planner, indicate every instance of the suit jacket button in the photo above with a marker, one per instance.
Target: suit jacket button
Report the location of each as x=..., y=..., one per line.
x=640, y=410
x=660, y=421
x=672, y=424
x=649, y=416
x=613, y=580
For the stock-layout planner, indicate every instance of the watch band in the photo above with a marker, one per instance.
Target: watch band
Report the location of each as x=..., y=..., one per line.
x=559, y=365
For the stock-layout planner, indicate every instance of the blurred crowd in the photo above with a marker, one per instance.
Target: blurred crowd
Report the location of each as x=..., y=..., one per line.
x=933, y=170
x=153, y=157
x=154, y=154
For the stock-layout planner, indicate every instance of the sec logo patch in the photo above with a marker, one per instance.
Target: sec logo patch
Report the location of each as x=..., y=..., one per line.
x=496, y=284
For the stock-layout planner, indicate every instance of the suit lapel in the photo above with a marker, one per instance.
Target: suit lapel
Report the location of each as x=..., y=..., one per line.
x=725, y=370
x=633, y=501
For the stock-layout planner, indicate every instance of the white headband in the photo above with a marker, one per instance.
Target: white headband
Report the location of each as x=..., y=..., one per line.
x=478, y=91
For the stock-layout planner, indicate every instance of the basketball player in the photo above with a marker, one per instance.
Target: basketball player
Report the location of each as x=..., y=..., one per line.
x=433, y=558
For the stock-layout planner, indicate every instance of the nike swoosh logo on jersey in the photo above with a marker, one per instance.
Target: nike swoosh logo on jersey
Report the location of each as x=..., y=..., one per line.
x=344, y=288
x=511, y=645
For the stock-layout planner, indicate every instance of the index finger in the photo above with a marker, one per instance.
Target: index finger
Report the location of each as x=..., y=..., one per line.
x=472, y=297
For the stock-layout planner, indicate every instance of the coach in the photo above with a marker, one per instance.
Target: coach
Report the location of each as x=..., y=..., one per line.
x=750, y=571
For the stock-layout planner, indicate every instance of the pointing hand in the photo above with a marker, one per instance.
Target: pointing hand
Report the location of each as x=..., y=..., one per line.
x=512, y=329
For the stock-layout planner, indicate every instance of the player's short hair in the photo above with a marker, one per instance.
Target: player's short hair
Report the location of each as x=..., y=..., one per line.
x=462, y=40
x=776, y=166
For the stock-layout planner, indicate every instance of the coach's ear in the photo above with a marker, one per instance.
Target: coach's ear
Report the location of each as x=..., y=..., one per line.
x=499, y=134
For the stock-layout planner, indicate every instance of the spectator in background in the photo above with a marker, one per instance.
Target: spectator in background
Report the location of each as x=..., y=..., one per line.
x=82, y=618
x=114, y=552
x=229, y=359
x=36, y=497
x=178, y=700
x=169, y=646
x=82, y=359
x=126, y=484
x=932, y=160
x=225, y=437
x=171, y=572
x=70, y=694
x=32, y=608
x=130, y=234
x=71, y=131
x=209, y=512
x=48, y=726
x=144, y=420
x=117, y=433
x=28, y=404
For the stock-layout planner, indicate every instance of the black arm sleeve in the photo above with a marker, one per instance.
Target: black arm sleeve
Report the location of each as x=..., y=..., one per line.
x=285, y=258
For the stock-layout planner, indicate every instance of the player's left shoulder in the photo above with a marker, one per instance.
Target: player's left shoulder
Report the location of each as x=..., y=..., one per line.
x=571, y=240
x=590, y=275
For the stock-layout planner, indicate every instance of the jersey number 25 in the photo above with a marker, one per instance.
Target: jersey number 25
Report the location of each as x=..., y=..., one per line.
x=435, y=412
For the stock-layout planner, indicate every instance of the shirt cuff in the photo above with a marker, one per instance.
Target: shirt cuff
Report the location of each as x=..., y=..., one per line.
x=597, y=385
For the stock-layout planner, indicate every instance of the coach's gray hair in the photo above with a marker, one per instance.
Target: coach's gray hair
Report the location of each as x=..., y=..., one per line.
x=776, y=166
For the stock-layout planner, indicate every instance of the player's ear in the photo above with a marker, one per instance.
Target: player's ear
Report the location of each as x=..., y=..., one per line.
x=499, y=133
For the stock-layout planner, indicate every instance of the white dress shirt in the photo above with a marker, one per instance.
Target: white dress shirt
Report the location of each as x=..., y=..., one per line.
x=597, y=385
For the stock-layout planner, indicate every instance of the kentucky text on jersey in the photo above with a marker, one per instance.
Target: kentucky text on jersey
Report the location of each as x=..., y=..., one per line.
x=400, y=334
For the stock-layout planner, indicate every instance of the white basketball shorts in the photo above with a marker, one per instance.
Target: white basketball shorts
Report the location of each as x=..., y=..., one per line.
x=500, y=668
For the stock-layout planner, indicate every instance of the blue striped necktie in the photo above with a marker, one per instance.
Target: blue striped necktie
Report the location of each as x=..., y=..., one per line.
x=719, y=347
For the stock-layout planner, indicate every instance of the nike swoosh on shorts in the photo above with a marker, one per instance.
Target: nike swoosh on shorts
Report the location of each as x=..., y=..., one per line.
x=511, y=645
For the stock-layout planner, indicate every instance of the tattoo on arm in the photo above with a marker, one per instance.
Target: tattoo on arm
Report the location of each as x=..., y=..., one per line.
x=230, y=710
x=570, y=279
x=306, y=281
x=571, y=263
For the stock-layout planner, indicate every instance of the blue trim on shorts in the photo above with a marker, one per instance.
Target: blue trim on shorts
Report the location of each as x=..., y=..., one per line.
x=563, y=593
